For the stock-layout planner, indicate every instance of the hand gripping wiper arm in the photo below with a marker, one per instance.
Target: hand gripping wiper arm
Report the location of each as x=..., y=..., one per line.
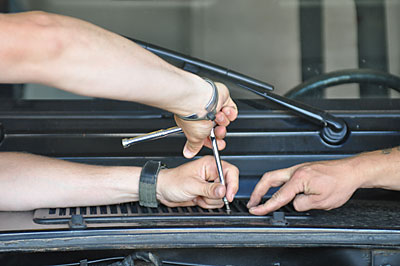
x=334, y=130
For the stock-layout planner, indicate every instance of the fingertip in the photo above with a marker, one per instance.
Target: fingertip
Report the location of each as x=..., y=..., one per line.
x=254, y=210
x=191, y=149
x=222, y=119
x=219, y=118
x=188, y=153
x=220, y=132
x=260, y=210
x=221, y=144
x=232, y=197
x=253, y=201
x=230, y=112
x=232, y=190
x=232, y=180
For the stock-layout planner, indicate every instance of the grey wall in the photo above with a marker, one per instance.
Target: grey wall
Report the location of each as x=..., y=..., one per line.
x=257, y=37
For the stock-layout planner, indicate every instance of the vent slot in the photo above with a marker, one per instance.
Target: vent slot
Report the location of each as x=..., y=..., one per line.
x=133, y=212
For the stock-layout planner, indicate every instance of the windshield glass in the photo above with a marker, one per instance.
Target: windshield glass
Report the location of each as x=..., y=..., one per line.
x=284, y=43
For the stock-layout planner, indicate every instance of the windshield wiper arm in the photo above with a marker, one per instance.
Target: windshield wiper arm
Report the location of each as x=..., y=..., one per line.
x=334, y=130
x=194, y=62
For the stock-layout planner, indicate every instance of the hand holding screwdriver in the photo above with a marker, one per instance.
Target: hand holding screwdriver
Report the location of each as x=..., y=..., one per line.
x=174, y=130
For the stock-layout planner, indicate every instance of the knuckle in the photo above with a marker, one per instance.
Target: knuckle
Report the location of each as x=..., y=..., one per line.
x=208, y=158
x=206, y=191
x=303, y=172
x=209, y=190
x=41, y=18
x=266, y=177
x=235, y=169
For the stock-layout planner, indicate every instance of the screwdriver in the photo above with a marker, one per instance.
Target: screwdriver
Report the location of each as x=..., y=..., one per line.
x=219, y=167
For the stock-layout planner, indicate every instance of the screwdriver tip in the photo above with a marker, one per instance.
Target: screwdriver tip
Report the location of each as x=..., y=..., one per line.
x=228, y=209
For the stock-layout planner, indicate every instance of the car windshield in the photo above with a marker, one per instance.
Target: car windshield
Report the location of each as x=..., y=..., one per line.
x=285, y=43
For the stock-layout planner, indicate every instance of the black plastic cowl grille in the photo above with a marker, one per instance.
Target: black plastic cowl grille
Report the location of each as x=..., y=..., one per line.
x=133, y=212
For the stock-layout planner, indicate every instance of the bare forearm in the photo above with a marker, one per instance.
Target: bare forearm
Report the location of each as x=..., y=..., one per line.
x=327, y=184
x=82, y=58
x=30, y=181
x=379, y=169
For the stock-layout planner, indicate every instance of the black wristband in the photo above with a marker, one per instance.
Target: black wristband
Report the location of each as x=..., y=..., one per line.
x=148, y=184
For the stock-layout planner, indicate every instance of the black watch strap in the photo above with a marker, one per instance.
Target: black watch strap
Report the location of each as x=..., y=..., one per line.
x=148, y=184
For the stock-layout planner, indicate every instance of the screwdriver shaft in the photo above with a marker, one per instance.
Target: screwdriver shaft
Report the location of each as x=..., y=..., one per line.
x=219, y=166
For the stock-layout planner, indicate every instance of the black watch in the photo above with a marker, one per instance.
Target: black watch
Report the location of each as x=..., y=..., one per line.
x=148, y=183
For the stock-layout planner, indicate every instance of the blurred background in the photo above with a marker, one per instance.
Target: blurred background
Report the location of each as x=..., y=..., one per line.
x=282, y=42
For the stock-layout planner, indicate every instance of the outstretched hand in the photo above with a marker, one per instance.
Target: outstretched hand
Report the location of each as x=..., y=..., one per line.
x=197, y=183
x=316, y=185
x=197, y=132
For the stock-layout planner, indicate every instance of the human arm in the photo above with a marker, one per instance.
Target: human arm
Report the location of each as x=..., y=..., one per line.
x=327, y=184
x=82, y=58
x=30, y=181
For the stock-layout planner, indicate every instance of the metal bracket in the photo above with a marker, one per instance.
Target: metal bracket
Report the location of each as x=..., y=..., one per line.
x=278, y=218
x=77, y=222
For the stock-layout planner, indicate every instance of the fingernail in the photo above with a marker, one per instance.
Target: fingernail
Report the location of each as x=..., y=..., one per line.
x=250, y=204
x=219, y=119
x=228, y=112
x=187, y=153
x=231, y=198
x=252, y=209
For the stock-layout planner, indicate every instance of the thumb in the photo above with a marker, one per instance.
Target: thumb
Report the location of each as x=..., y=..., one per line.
x=211, y=190
x=192, y=148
